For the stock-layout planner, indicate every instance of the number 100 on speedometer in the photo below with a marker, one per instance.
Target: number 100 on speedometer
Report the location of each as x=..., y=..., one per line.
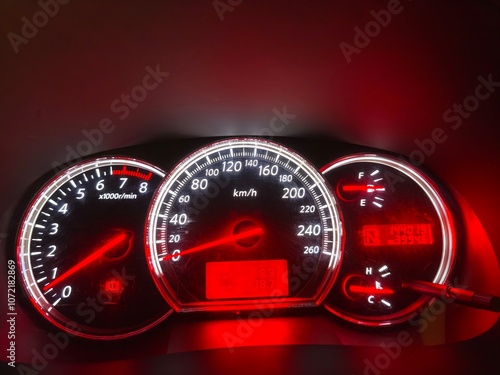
x=241, y=222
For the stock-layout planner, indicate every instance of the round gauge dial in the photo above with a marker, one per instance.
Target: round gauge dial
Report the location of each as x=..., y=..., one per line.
x=81, y=249
x=397, y=229
x=240, y=222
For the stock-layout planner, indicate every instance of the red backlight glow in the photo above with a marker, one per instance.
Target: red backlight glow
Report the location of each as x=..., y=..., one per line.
x=247, y=279
x=112, y=286
x=397, y=235
x=125, y=172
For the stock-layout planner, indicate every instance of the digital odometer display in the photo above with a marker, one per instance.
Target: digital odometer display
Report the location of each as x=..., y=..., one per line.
x=397, y=234
x=243, y=220
x=398, y=230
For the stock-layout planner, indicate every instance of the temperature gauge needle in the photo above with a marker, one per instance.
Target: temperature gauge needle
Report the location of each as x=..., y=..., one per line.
x=370, y=188
x=358, y=289
x=107, y=246
x=220, y=241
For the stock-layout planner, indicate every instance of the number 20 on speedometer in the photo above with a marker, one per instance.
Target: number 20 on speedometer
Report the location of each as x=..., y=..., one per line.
x=240, y=222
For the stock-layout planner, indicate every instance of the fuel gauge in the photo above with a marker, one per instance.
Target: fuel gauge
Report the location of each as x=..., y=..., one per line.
x=364, y=190
x=398, y=229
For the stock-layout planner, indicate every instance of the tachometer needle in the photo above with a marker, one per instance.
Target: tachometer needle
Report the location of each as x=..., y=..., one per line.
x=220, y=241
x=362, y=188
x=358, y=289
x=108, y=245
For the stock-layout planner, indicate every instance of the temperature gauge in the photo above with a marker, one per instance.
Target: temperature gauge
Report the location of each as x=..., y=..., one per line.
x=397, y=229
x=375, y=287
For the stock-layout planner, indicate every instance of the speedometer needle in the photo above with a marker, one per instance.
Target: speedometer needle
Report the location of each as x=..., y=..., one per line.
x=220, y=241
x=108, y=245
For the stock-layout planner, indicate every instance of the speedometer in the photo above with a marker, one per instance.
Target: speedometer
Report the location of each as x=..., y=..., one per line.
x=241, y=222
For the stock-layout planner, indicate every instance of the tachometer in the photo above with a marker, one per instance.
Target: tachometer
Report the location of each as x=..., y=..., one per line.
x=241, y=222
x=81, y=249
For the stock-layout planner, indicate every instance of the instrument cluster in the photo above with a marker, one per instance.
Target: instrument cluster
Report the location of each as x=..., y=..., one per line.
x=111, y=246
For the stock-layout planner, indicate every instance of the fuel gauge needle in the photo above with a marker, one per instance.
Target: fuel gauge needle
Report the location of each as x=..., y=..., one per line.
x=104, y=248
x=370, y=188
x=457, y=295
x=220, y=241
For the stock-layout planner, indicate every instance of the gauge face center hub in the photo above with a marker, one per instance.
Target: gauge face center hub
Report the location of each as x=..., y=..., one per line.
x=245, y=226
x=276, y=216
x=122, y=249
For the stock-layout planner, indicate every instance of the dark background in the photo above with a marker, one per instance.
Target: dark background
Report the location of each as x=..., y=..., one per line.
x=227, y=75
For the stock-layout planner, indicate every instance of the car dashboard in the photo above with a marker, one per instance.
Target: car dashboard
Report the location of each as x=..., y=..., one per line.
x=196, y=194
x=107, y=308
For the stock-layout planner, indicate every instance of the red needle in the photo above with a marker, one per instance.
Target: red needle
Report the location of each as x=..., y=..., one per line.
x=358, y=289
x=363, y=188
x=220, y=241
x=110, y=244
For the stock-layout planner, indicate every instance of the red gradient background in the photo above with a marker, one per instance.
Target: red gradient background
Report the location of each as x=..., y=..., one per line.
x=263, y=55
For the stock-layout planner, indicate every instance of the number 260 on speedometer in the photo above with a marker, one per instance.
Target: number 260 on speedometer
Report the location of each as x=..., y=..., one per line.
x=243, y=221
